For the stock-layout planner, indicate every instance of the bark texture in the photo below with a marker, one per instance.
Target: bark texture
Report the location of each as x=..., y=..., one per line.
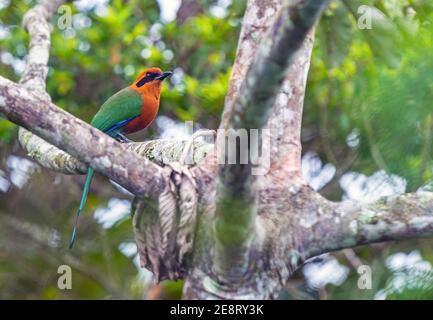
x=228, y=233
x=139, y=175
x=161, y=152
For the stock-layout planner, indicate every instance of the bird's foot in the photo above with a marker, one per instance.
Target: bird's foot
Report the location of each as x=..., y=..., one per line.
x=122, y=139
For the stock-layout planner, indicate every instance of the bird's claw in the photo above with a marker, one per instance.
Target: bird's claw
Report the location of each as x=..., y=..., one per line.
x=122, y=139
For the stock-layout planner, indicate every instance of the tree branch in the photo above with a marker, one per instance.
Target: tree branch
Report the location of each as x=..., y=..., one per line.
x=104, y=154
x=348, y=224
x=188, y=9
x=258, y=18
x=36, y=113
x=259, y=87
x=161, y=152
x=37, y=23
x=285, y=121
x=236, y=196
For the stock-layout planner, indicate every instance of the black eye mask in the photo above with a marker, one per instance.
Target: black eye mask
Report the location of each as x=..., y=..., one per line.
x=147, y=78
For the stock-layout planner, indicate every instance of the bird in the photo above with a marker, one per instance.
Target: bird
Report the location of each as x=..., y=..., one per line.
x=129, y=110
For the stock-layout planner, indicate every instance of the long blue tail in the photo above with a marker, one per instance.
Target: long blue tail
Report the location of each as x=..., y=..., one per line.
x=82, y=203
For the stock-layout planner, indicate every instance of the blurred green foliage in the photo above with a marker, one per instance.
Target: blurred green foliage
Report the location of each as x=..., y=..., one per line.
x=376, y=84
x=367, y=108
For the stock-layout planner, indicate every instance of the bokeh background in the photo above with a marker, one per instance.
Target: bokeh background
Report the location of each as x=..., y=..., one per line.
x=367, y=132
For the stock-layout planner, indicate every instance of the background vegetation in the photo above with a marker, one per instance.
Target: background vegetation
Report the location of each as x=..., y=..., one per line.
x=367, y=132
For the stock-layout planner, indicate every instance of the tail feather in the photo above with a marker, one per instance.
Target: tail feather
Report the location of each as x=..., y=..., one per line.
x=89, y=177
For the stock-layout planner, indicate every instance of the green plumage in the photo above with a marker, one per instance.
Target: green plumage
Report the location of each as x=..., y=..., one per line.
x=125, y=104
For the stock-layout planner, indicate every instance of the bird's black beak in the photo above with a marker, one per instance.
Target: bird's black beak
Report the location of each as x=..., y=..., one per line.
x=164, y=75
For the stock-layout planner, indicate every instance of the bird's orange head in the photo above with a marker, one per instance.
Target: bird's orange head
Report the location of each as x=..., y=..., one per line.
x=149, y=81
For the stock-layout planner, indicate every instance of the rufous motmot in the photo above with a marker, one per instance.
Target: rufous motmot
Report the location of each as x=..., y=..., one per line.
x=129, y=110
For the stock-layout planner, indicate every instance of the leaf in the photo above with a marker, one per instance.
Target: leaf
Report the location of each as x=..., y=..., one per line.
x=382, y=35
x=336, y=30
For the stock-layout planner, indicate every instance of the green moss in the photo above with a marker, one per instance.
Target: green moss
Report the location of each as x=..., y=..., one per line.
x=367, y=216
x=25, y=138
x=60, y=161
x=35, y=154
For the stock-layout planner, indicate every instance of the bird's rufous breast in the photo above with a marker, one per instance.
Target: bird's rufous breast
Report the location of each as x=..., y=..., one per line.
x=149, y=110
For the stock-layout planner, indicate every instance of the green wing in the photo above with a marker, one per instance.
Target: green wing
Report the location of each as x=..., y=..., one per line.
x=125, y=104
